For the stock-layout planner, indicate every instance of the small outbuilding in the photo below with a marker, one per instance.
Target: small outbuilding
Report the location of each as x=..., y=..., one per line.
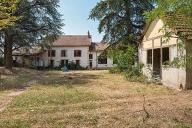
x=155, y=51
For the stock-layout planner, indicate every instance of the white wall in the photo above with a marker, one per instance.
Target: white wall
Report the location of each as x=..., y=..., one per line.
x=173, y=77
x=69, y=56
x=95, y=61
x=170, y=76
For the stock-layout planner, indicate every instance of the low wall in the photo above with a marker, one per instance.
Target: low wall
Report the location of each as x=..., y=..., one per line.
x=173, y=77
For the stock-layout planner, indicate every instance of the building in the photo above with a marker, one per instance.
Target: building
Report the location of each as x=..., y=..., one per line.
x=67, y=49
x=155, y=50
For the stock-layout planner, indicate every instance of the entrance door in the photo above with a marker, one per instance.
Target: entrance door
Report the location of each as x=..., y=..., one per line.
x=157, y=62
x=90, y=64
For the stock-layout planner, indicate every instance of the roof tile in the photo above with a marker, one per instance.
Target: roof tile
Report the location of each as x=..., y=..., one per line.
x=73, y=40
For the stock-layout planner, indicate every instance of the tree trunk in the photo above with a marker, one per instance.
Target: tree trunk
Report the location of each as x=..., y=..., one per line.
x=5, y=51
x=188, y=85
x=8, y=52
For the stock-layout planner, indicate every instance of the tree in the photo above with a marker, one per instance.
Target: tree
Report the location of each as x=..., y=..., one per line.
x=6, y=10
x=177, y=15
x=40, y=21
x=121, y=20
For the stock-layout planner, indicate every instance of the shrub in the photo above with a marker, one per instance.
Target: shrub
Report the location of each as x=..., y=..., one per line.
x=126, y=63
x=114, y=70
x=73, y=66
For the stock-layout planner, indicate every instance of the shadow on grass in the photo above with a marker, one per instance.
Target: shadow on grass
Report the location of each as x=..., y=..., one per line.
x=18, y=79
x=69, y=80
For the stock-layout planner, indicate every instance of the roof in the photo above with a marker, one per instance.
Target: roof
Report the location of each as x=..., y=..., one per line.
x=73, y=40
x=178, y=23
x=98, y=46
x=27, y=51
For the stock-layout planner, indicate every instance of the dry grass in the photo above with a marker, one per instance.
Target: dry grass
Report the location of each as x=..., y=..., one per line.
x=97, y=99
x=15, y=79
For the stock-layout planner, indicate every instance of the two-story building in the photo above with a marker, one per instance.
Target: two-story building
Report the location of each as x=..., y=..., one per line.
x=78, y=49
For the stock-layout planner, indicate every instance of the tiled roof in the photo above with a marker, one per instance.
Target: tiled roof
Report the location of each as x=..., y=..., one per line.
x=73, y=40
x=98, y=46
x=27, y=51
x=180, y=24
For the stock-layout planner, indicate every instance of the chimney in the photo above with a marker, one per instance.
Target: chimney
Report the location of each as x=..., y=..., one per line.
x=89, y=35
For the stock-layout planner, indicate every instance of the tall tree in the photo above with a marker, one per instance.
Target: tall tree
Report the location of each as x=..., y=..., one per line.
x=121, y=20
x=40, y=21
x=7, y=7
x=177, y=15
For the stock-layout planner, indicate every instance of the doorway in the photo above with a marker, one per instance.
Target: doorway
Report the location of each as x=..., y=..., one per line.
x=90, y=64
x=157, y=62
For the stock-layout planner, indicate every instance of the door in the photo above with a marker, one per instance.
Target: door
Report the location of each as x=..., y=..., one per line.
x=157, y=62
x=90, y=64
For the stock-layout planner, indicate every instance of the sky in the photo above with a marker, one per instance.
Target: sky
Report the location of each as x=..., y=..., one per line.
x=75, y=14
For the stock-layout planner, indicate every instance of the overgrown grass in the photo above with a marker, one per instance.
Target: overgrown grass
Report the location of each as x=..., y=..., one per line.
x=17, y=79
x=52, y=96
x=46, y=107
x=96, y=99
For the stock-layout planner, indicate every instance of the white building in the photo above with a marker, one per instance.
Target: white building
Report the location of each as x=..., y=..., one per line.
x=78, y=49
x=154, y=51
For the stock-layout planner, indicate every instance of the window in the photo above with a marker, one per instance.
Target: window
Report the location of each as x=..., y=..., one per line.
x=149, y=56
x=64, y=62
x=51, y=53
x=51, y=63
x=102, y=60
x=77, y=53
x=77, y=62
x=165, y=56
x=90, y=56
x=63, y=53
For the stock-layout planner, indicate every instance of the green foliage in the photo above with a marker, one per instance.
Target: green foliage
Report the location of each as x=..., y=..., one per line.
x=174, y=13
x=7, y=8
x=40, y=25
x=124, y=59
x=125, y=63
x=121, y=20
x=74, y=66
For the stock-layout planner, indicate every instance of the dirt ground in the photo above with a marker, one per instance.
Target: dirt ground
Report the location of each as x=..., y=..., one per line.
x=97, y=99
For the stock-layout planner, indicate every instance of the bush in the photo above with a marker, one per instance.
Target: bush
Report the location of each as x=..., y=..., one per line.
x=134, y=78
x=115, y=70
x=126, y=63
x=73, y=66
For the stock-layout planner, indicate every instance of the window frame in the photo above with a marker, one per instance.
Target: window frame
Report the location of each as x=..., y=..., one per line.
x=77, y=53
x=165, y=57
x=90, y=56
x=102, y=60
x=51, y=53
x=149, y=57
x=63, y=53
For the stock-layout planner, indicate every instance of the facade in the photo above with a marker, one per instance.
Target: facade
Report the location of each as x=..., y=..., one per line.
x=77, y=49
x=155, y=50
